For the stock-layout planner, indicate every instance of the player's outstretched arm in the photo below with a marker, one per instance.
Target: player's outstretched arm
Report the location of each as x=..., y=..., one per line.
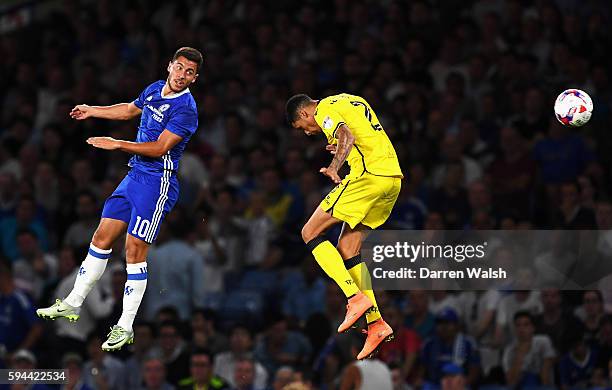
x=121, y=111
x=346, y=139
x=155, y=149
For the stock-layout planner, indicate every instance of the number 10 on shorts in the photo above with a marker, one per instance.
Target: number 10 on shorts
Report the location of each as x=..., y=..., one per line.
x=141, y=229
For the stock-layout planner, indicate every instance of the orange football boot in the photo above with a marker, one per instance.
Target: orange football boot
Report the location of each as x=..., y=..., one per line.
x=378, y=331
x=357, y=305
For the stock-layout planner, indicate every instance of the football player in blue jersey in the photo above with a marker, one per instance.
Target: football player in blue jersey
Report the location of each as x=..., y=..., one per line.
x=168, y=119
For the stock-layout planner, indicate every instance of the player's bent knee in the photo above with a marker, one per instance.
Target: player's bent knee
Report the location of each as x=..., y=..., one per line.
x=101, y=240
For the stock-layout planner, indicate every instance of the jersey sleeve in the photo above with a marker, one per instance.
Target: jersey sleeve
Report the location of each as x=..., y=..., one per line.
x=329, y=119
x=139, y=101
x=183, y=122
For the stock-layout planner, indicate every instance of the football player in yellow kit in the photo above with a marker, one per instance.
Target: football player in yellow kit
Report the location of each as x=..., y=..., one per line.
x=362, y=201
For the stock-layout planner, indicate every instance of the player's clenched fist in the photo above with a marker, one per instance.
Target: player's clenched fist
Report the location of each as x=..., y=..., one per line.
x=107, y=143
x=80, y=112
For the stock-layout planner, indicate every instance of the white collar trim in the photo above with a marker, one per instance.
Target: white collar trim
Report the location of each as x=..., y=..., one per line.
x=172, y=95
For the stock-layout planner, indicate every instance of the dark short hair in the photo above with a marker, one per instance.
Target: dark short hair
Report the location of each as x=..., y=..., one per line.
x=246, y=359
x=202, y=351
x=5, y=267
x=235, y=328
x=171, y=324
x=191, y=54
x=26, y=231
x=596, y=292
x=169, y=310
x=148, y=325
x=524, y=314
x=88, y=194
x=207, y=313
x=294, y=104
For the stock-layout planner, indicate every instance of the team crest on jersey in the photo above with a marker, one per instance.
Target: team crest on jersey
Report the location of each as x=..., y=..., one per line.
x=328, y=123
x=158, y=112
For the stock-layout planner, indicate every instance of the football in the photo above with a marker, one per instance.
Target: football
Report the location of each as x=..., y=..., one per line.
x=573, y=107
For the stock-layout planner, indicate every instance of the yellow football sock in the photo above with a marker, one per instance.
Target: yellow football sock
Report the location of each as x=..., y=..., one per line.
x=330, y=260
x=361, y=275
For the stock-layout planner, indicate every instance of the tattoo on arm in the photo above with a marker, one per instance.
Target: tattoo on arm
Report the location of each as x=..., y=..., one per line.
x=345, y=144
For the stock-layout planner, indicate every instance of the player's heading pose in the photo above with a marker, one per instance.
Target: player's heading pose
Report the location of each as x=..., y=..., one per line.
x=148, y=192
x=362, y=200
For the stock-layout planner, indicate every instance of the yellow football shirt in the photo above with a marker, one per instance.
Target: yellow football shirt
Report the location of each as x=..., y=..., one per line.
x=372, y=151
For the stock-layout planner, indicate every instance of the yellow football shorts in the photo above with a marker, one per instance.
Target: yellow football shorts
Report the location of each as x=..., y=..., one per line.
x=366, y=199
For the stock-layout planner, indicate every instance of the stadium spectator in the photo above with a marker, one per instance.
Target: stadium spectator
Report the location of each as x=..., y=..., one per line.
x=80, y=231
x=454, y=377
x=572, y=214
x=175, y=268
x=282, y=378
x=512, y=174
x=73, y=362
x=557, y=168
x=102, y=370
x=244, y=375
x=365, y=374
x=452, y=153
x=450, y=200
x=528, y=360
x=305, y=295
x=19, y=327
x=280, y=346
x=480, y=309
x=144, y=339
x=35, y=269
x=397, y=379
x=259, y=230
x=201, y=373
x=8, y=195
x=25, y=217
x=174, y=353
x=443, y=299
x=511, y=304
x=241, y=347
x=449, y=345
x=205, y=321
x=213, y=251
x=577, y=366
x=403, y=350
x=590, y=313
x=154, y=375
x=410, y=209
x=555, y=322
x=47, y=187
x=601, y=372
x=419, y=317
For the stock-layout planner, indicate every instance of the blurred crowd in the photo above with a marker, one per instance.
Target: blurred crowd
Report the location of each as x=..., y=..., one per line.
x=465, y=91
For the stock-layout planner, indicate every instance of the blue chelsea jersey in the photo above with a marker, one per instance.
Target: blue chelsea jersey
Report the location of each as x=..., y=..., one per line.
x=176, y=113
